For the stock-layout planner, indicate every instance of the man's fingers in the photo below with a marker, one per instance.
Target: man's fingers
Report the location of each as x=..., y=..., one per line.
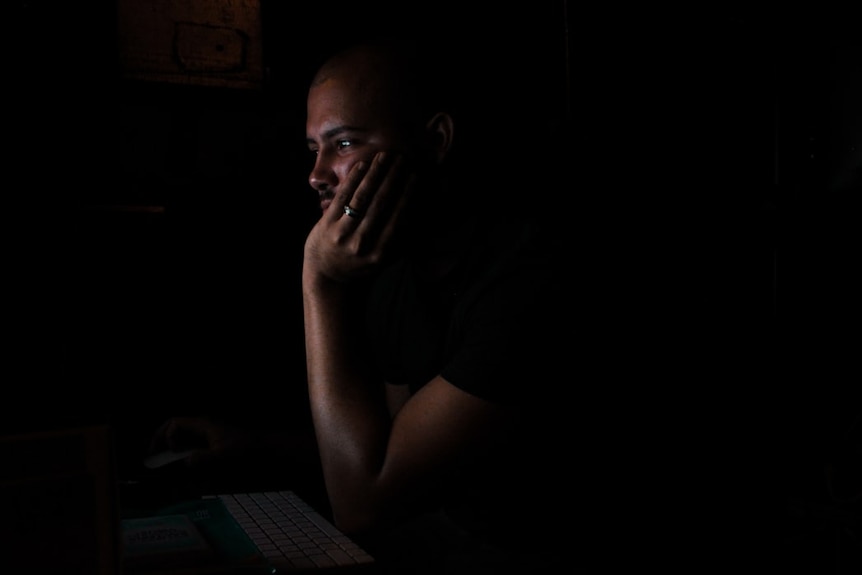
x=368, y=188
x=336, y=211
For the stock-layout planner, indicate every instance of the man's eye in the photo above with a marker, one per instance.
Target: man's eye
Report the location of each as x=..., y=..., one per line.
x=342, y=144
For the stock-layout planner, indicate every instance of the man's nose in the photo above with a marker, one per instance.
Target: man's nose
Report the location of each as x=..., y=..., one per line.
x=322, y=175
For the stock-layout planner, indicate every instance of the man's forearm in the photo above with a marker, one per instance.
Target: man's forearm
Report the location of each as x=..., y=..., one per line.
x=348, y=408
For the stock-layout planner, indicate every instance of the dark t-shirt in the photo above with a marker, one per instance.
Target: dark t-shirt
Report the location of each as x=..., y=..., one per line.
x=487, y=327
x=497, y=327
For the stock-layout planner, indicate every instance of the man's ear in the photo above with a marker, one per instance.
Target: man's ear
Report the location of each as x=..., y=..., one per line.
x=440, y=129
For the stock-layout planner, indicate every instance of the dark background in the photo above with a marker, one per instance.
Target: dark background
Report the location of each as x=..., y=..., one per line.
x=708, y=164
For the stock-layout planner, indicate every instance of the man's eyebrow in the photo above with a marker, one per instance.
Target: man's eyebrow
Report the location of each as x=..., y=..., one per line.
x=334, y=132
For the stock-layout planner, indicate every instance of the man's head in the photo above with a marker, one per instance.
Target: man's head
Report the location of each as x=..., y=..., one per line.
x=369, y=98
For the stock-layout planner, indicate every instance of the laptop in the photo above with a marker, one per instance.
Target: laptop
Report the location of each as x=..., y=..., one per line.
x=63, y=513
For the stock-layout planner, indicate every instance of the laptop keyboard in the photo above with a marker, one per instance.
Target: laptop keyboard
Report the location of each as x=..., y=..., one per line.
x=290, y=534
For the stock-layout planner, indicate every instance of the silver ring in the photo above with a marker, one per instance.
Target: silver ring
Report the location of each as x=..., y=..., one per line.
x=351, y=212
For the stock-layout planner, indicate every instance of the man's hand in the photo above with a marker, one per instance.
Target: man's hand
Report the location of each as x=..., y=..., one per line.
x=354, y=235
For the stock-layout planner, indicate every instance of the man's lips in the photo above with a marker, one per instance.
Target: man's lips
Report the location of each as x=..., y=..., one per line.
x=324, y=203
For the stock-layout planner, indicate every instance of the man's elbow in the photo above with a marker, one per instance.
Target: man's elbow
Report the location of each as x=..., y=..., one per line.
x=365, y=514
x=355, y=520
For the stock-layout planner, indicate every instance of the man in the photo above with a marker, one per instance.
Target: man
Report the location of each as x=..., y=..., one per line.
x=436, y=326
x=456, y=319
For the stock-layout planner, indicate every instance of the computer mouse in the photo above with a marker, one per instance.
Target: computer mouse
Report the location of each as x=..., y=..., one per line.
x=166, y=457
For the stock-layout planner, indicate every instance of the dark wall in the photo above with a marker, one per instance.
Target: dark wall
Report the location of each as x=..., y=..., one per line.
x=158, y=227
x=720, y=156
x=705, y=163
x=154, y=232
x=677, y=147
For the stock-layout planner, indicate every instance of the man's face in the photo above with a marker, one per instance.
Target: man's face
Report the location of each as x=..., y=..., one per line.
x=348, y=120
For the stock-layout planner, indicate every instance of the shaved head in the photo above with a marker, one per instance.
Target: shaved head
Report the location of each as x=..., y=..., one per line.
x=390, y=75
